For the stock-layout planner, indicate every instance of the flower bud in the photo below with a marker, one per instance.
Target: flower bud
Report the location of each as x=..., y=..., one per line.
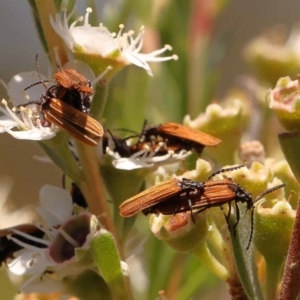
x=283, y=171
x=273, y=225
x=284, y=99
x=202, y=171
x=255, y=180
x=182, y=231
x=223, y=123
x=270, y=57
x=272, y=233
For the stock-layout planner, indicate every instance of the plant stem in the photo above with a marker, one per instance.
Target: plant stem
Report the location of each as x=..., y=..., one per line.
x=205, y=256
x=272, y=280
x=45, y=10
x=290, y=288
x=92, y=186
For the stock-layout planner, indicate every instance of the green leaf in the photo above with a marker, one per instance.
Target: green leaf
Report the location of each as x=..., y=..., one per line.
x=290, y=145
x=38, y=24
x=244, y=259
x=57, y=149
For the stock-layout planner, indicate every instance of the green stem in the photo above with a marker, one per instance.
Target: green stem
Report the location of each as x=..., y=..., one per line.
x=46, y=9
x=216, y=239
x=206, y=258
x=92, y=185
x=272, y=278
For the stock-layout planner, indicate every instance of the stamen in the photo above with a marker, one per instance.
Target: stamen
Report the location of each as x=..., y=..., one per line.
x=25, y=118
x=30, y=121
x=86, y=18
x=73, y=242
x=101, y=75
x=32, y=278
x=168, y=47
x=117, y=42
x=11, y=114
x=27, y=246
x=292, y=193
x=30, y=237
x=80, y=19
x=139, y=153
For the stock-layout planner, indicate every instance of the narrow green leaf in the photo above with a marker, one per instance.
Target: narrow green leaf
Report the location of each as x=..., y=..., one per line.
x=244, y=259
x=290, y=145
x=38, y=24
x=57, y=149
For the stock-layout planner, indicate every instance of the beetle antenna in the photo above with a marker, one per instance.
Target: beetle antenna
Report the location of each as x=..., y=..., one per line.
x=252, y=228
x=223, y=171
x=59, y=66
x=127, y=130
x=37, y=67
x=277, y=187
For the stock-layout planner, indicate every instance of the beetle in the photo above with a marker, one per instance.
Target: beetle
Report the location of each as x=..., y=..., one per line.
x=215, y=194
x=66, y=104
x=170, y=189
x=120, y=145
x=71, y=87
x=174, y=196
x=77, y=124
x=180, y=136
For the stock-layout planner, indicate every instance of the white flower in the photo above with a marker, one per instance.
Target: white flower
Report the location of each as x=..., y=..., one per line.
x=99, y=41
x=63, y=233
x=24, y=124
x=146, y=158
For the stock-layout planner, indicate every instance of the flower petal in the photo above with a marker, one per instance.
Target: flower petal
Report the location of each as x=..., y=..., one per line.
x=51, y=199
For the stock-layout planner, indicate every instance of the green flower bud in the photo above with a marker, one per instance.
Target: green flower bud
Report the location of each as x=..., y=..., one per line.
x=270, y=57
x=255, y=180
x=202, y=171
x=284, y=99
x=272, y=233
x=180, y=231
x=273, y=225
x=283, y=171
x=225, y=124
